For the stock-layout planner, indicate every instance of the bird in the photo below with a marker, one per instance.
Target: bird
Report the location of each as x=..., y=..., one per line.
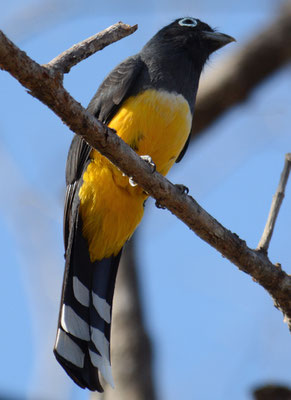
x=148, y=99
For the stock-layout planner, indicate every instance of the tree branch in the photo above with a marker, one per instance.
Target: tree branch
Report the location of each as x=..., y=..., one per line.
x=80, y=51
x=275, y=206
x=43, y=83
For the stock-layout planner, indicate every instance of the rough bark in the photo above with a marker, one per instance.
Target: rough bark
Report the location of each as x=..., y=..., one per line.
x=80, y=51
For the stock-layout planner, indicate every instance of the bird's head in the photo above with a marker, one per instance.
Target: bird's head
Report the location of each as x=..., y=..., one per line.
x=189, y=34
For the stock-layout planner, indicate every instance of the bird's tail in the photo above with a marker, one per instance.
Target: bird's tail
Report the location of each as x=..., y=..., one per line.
x=82, y=344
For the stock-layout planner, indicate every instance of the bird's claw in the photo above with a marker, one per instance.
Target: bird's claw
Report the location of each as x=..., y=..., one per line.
x=182, y=188
x=147, y=159
x=131, y=182
x=158, y=205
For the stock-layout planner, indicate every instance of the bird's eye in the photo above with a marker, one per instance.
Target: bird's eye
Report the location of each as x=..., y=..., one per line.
x=188, y=22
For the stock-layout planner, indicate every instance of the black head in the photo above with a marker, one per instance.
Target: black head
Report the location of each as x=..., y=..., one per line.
x=175, y=56
x=191, y=35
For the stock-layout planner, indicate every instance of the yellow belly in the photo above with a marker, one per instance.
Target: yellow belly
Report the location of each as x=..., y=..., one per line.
x=154, y=123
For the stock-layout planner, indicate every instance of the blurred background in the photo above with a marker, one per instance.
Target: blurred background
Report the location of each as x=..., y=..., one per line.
x=206, y=330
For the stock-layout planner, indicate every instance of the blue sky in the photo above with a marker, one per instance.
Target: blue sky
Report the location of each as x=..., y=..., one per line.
x=215, y=332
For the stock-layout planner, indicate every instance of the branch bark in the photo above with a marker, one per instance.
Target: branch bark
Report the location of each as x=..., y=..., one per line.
x=80, y=51
x=44, y=83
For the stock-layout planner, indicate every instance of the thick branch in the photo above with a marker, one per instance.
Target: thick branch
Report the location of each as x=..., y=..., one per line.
x=44, y=84
x=236, y=78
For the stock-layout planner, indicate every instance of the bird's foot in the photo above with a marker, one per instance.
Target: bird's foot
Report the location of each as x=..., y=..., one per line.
x=182, y=188
x=147, y=159
x=158, y=205
x=131, y=182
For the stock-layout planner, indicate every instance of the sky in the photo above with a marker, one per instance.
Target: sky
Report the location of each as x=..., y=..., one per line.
x=215, y=332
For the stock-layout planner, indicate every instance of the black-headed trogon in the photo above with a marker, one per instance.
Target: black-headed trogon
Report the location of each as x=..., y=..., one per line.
x=149, y=100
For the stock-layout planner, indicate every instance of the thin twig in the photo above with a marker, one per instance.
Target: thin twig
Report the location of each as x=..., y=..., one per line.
x=80, y=51
x=275, y=206
x=44, y=85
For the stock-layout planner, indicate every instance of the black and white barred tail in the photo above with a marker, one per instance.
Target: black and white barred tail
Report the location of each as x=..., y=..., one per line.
x=82, y=344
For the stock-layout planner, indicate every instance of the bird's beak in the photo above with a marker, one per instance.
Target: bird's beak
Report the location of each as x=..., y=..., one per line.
x=217, y=39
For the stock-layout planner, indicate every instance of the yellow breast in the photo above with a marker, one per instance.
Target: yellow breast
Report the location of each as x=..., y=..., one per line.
x=154, y=123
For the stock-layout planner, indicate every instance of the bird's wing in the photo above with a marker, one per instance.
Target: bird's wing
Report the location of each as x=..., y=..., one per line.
x=181, y=155
x=78, y=158
x=113, y=91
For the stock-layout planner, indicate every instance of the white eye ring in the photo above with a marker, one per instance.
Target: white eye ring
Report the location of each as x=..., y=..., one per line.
x=183, y=22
